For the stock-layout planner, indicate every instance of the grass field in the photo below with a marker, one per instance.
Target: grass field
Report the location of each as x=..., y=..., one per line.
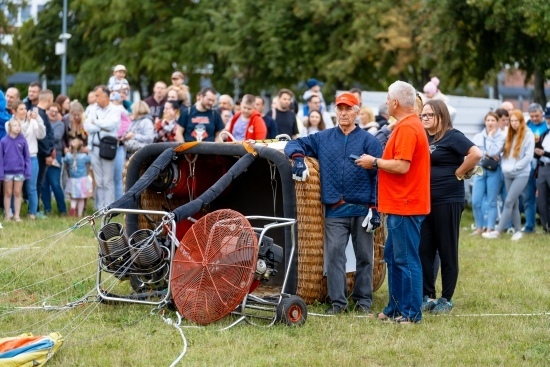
x=501, y=313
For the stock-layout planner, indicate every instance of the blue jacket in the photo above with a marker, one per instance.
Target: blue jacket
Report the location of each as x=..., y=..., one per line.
x=341, y=178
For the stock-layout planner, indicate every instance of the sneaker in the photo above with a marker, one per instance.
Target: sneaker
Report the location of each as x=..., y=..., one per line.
x=443, y=306
x=41, y=215
x=363, y=310
x=335, y=309
x=383, y=317
x=511, y=230
x=491, y=235
x=517, y=236
x=402, y=320
x=428, y=304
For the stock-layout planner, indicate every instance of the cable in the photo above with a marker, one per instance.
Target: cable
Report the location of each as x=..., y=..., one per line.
x=171, y=322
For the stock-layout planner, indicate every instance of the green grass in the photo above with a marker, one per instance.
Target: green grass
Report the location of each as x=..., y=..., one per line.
x=498, y=278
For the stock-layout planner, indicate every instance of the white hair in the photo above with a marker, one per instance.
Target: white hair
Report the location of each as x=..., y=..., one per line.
x=403, y=92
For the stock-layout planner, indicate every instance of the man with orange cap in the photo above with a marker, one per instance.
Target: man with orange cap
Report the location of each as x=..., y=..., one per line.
x=349, y=195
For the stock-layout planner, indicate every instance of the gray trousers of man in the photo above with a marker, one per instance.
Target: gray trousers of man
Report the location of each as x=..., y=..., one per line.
x=337, y=232
x=543, y=199
x=104, y=176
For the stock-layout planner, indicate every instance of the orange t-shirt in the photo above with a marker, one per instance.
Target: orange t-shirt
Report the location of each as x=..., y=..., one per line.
x=409, y=193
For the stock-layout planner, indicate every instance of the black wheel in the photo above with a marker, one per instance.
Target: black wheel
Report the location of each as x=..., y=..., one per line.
x=292, y=311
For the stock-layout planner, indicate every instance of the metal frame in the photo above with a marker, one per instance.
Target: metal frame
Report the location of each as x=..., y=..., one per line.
x=167, y=217
x=269, y=305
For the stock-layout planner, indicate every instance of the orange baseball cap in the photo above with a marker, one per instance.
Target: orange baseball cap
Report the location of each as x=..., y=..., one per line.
x=348, y=99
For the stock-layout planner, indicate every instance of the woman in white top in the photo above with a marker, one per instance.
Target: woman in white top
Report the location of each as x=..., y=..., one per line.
x=313, y=124
x=516, y=167
x=33, y=129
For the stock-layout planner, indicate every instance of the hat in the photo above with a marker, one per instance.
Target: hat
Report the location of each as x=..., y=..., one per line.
x=115, y=96
x=348, y=99
x=313, y=82
x=547, y=112
x=120, y=67
x=177, y=74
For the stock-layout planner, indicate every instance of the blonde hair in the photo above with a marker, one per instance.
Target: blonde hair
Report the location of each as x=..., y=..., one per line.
x=182, y=92
x=368, y=111
x=76, y=146
x=9, y=125
x=139, y=109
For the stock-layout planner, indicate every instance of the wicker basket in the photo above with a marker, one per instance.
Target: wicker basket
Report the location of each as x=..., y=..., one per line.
x=311, y=282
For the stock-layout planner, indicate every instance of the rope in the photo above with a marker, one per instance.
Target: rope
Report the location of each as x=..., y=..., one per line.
x=171, y=322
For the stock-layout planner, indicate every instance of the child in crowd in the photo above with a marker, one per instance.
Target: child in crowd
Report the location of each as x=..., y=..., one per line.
x=15, y=167
x=118, y=78
x=79, y=186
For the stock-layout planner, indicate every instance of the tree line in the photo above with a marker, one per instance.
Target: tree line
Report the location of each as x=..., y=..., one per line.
x=265, y=44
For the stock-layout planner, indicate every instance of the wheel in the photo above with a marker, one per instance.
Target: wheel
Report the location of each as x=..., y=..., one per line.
x=292, y=311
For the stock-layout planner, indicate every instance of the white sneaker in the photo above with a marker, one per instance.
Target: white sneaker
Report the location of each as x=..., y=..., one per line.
x=511, y=230
x=491, y=235
x=517, y=236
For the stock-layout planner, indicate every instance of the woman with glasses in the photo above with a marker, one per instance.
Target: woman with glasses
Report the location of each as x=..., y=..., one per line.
x=487, y=186
x=453, y=157
x=52, y=181
x=516, y=167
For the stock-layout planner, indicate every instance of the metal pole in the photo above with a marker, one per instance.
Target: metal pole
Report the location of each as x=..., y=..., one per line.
x=64, y=56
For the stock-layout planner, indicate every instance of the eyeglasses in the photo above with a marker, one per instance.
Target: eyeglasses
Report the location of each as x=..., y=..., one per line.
x=427, y=116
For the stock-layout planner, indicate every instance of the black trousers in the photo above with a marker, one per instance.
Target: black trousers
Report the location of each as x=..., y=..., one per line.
x=439, y=233
x=42, y=168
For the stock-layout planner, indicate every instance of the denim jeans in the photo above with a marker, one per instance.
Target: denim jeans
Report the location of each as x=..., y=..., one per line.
x=120, y=160
x=30, y=185
x=337, y=232
x=52, y=182
x=404, y=268
x=530, y=202
x=488, y=185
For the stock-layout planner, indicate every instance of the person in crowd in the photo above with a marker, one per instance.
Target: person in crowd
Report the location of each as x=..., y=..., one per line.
x=348, y=192
x=404, y=195
x=178, y=81
x=103, y=121
x=542, y=152
x=5, y=116
x=367, y=121
x=65, y=103
x=384, y=132
x=503, y=119
x=33, y=128
x=52, y=181
x=383, y=118
x=225, y=101
x=46, y=152
x=487, y=186
x=32, y=95
x=284, y=116
x=508, y=106
x=431, y=91
x=123, y=91
x=165, y=129
x=314, y=103
x=537, y=126
x=247, y=124
x=237, y=106
x=270, y=124
x=156, y=100
x=358, y=94
x=15, y=168
x=142, y=129
x=200, y=122
x=314, y=88
x=79, y=185
x=120, y=158
x=75, y=126
x=118, y=78
x=91, y=100
x=453, y=158
x=12, y=97
x=177, y=94
x=516, y=167
x=313, y=124
x=225, y=115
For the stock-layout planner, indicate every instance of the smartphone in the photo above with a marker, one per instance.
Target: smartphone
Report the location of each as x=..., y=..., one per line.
x=354, y=157
x=35, y=110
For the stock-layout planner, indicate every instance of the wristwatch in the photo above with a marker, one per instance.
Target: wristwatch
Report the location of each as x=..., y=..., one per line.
x=375, y=163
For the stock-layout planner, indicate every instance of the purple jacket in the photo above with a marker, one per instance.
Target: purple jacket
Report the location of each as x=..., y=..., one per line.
x=14, y=157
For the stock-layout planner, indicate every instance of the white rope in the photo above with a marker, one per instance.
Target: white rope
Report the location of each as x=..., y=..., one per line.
x=171, y=322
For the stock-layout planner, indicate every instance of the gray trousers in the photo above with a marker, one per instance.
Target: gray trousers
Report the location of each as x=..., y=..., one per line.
x=104, y=176
x=337, y=232
x=514, y=188
x=543, y=199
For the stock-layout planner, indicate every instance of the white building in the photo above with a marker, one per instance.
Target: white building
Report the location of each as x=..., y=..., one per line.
x=26, y=10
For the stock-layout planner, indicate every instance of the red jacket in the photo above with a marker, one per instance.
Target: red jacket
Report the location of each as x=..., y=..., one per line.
x=255, y=130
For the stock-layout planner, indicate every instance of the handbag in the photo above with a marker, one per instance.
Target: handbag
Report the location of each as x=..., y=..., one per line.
x=107, y=147
x=489, y=163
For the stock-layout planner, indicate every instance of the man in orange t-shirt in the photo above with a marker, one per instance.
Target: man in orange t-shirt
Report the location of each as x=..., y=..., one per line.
x=404, y=195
